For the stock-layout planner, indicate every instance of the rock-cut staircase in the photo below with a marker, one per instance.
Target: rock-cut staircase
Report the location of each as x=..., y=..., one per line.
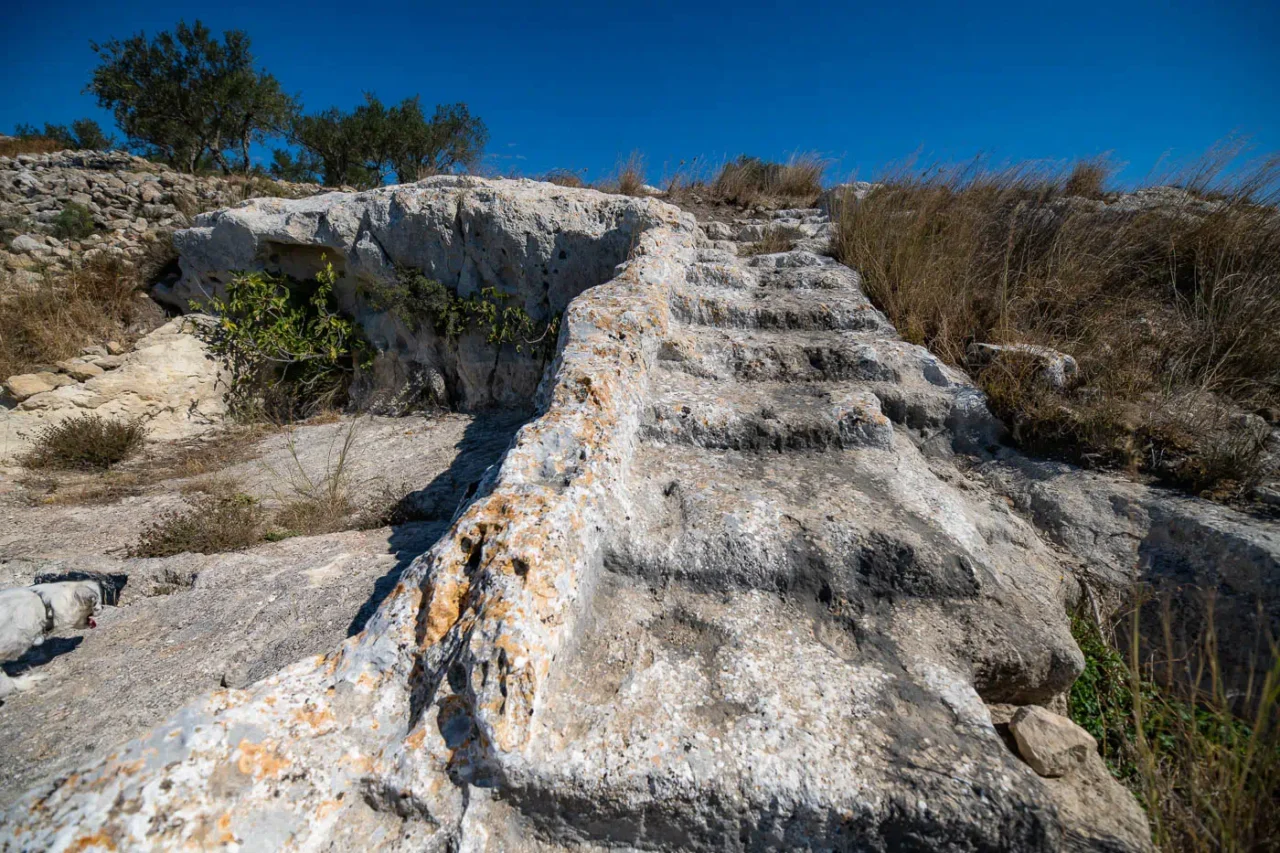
x=733, y=589
x=805, y=604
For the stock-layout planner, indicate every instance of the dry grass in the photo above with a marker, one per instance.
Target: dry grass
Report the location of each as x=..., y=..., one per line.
x=627, y=177
x=564, y=178
x=1171, y=305
x=752, y=182
x=85, y=442
x=14, y=146
x=209, y=524
x=1203, y=760
x=776, y=238
x=96, y=301
x=318, y=502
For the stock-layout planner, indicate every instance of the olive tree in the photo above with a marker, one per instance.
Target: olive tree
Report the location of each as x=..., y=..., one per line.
x=374, y=142
x=188, y=98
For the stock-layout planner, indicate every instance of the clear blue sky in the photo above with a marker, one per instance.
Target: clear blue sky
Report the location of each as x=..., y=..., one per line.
x=576, y=85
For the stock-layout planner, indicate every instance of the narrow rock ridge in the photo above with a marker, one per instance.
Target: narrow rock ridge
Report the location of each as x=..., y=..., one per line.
x=728, y=591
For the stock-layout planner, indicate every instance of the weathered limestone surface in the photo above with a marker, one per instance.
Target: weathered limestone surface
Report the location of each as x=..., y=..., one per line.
x=540, y=247
x=729, y=590
x=169, y=381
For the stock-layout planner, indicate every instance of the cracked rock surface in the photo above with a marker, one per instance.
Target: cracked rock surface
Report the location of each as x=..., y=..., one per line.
x=731, y=588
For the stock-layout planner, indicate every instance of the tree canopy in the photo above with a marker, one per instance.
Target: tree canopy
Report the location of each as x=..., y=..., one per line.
x=374, y=142
x=83, y=134
x=188, y=98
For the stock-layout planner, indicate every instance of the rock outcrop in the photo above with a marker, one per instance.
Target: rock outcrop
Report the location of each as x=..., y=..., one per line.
x=539, y=247
x=168, y=380
x=729, y=589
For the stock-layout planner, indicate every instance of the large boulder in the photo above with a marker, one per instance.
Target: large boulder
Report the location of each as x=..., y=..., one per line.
x=540, y=245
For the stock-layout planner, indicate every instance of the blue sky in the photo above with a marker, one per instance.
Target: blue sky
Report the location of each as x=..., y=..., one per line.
x=579, y=84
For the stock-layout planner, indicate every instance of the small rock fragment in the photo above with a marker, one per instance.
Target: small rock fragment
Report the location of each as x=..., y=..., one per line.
x=1052, y=745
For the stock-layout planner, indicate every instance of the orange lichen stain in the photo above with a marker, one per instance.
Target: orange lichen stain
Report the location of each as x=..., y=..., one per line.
x=313, y=716
x=260, y=760
x=270, y=701
x=98, y=841
x=447, y=598
x=416, y=738
x=225, y=835
x=327, y=808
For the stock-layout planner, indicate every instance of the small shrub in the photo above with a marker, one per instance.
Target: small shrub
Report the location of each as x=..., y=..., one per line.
x=564, y=178
x=420, y=302
x=627, y=177
x=75, y=222
x=289, y=349
x=209, y=524
x=85, y=442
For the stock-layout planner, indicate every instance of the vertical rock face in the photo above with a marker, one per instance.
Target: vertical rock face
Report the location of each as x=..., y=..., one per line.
x=727, y=591
x=540, y=248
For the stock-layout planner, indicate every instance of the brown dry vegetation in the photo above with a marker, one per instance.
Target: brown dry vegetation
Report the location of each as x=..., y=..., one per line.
x=1169, y=300
x=95, y=302
x=752, y=182
x=776, y=238
x=14, y=146
x=627, y=177
x=564, y=178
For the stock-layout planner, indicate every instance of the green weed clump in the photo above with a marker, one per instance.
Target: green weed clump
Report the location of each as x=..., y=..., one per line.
x=420, y=302
x=74, y=222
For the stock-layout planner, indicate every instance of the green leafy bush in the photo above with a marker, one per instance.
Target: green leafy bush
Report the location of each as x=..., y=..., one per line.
x=87, y=442
x=289, y=349
x=75, y=222
x=1204, y=764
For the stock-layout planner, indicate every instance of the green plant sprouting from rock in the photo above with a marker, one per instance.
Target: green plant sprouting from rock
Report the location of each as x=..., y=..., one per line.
x=418, y=301
x=285, y=342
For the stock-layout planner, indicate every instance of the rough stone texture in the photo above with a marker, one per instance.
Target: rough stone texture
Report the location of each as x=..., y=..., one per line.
x=729, y=590
x=1056, y=369
x=131, y=201
x=25, y=385
x=1123, y=533
x=1052, y=745
x=540, y=247
x=169, y=381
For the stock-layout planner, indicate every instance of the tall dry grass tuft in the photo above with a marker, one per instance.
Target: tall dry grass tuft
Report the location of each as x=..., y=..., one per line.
x=628, y=176
x=1170, y=302
x=96, y=301
x=1203, y=758
x=752, y=182
x=16, y=145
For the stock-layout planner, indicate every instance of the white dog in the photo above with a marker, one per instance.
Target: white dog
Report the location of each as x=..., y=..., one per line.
x=30, y=614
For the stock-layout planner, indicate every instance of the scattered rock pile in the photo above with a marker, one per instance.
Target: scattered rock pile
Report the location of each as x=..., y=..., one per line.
x=131, y=202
